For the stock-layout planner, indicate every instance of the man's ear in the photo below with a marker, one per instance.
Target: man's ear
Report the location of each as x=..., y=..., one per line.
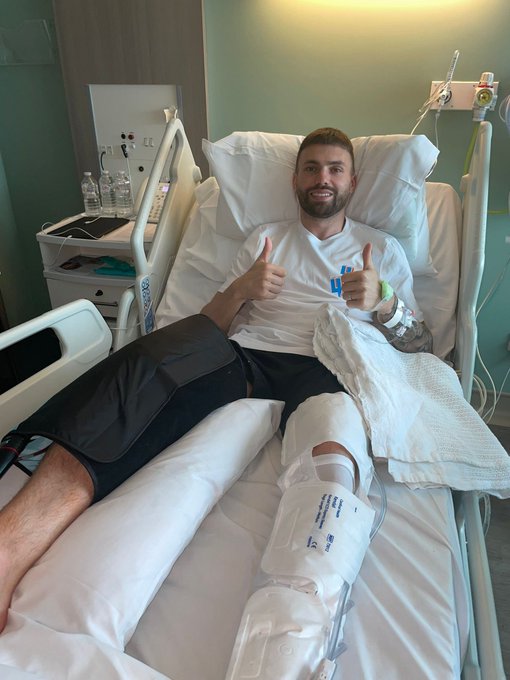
x=354, y=182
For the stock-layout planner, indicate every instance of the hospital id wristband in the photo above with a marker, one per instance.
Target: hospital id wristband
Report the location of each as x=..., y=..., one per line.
x=397, y=316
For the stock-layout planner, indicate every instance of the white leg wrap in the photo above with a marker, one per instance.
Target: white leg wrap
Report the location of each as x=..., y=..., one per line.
x=319, y=539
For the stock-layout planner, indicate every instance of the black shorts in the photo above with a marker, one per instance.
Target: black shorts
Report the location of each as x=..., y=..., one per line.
x=291, y=378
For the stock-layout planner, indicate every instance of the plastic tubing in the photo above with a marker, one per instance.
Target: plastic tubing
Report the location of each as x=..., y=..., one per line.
x=379, y=518
x=334, y=649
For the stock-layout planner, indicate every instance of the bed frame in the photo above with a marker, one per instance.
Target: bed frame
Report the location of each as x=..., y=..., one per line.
x=85, y=339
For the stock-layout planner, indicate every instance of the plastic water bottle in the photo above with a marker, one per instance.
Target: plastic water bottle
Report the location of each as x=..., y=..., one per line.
x=107, y=192
x=107, y=189
x=90, y=191
x=123, y=196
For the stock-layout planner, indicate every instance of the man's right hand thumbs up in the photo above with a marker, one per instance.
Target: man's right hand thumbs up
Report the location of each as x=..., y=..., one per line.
x=264, y=280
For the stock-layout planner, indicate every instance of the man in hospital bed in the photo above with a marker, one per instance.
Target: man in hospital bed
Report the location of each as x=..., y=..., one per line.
x=281, y=276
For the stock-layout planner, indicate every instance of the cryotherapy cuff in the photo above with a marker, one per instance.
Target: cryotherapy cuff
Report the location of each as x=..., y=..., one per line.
x=329, y=530
x=320, y=536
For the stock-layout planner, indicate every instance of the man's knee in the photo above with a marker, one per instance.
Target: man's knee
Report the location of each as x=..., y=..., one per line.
x=331, y=447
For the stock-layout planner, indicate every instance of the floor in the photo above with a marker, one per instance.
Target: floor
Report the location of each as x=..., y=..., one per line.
x=498, y=550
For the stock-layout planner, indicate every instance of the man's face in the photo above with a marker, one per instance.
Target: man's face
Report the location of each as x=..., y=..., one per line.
x=324, y=180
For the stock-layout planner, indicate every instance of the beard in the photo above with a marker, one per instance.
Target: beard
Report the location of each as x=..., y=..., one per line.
x=326, y=209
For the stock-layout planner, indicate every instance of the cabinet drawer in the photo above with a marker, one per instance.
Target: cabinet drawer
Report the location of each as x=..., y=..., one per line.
x=105, y=294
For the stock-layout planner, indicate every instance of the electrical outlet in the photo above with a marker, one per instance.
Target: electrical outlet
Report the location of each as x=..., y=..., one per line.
x=507, y=239
x=461, y=95
x=105, y=148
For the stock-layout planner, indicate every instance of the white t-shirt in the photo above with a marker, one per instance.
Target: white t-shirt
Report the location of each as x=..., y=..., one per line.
x=314, y=268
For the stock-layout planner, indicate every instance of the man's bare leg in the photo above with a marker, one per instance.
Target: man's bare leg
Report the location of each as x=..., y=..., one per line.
x=59, y=491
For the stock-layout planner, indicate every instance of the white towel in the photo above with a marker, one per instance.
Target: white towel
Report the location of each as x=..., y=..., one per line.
x=414, y=409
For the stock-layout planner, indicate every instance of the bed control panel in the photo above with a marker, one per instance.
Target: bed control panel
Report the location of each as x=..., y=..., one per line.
x=159, y=200
x=157, y=203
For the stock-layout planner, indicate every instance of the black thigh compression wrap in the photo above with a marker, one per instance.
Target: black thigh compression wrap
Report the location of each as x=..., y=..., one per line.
x=141, y=399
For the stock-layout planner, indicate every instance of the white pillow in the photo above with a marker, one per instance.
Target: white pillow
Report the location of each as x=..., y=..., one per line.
x=202, y=262
x=254, y=171
x=212, y=253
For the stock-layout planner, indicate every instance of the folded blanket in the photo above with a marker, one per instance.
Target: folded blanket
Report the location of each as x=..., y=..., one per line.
x=414, y=409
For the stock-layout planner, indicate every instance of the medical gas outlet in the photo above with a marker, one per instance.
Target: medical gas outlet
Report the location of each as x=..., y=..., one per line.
x=466, y=95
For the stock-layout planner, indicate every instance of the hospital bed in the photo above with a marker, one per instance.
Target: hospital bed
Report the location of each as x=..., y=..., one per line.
x=151, y=582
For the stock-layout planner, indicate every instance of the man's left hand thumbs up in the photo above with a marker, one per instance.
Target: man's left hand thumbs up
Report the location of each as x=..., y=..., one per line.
x=361, y=289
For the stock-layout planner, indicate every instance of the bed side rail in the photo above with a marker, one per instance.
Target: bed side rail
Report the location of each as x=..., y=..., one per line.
x=84, y=339
x=475, y=190
x=137, y=307
x=483, y=658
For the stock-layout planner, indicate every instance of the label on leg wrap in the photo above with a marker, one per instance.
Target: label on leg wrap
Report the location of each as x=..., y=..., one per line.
x=320, y=537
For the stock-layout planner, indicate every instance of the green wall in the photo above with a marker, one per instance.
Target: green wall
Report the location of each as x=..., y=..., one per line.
x=280, y=66
x=294, y=65
x=40, y=174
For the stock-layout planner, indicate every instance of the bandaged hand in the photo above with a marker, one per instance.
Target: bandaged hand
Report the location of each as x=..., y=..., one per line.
x=263, y=281
x=362, y=289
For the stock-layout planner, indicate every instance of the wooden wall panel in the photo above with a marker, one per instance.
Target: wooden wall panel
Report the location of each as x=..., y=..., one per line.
x=131, y=42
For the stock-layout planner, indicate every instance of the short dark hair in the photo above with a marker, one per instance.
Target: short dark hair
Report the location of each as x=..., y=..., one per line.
x=330, y=137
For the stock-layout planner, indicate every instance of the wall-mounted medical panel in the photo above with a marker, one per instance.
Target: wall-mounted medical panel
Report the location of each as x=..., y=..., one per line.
x=129, y=121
